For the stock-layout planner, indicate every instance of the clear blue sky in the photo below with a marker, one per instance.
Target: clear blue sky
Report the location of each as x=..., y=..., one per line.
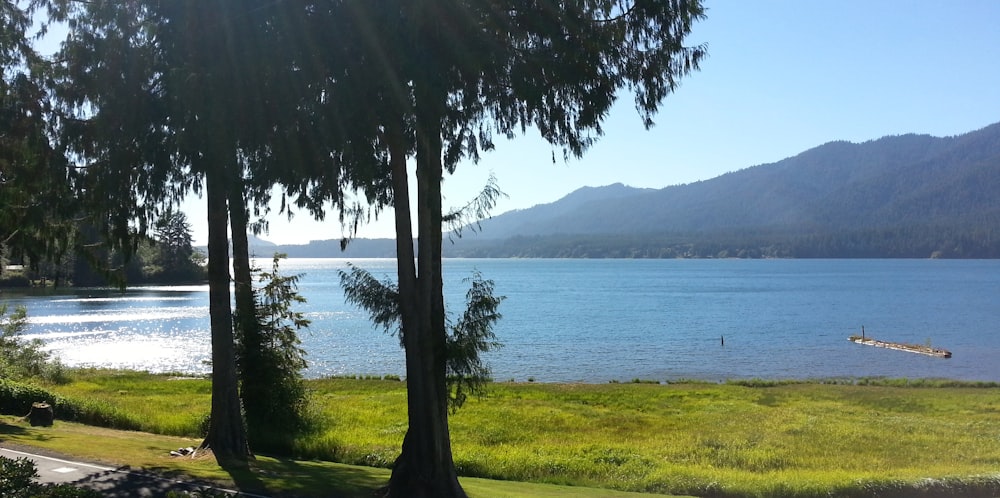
x=782, y=76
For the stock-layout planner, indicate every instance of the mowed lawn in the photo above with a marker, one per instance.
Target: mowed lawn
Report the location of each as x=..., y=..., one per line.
x=751, y=439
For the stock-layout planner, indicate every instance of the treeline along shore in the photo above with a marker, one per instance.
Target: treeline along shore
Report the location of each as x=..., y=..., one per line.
x=944, y=242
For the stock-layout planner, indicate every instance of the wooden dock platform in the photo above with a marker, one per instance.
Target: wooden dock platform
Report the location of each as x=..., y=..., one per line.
x=898, y=346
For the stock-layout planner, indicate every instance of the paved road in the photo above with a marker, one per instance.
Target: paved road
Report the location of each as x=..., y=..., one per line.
x=110, y=482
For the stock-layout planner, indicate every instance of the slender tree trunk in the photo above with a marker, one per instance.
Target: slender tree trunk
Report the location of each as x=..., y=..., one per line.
x=405, y=256
x=242, y=278
x=425, y=467
x=247, y=328
x=226, y=433
x=403, y=473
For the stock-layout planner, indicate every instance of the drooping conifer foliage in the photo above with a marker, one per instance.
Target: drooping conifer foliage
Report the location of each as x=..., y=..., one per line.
x=36, y=208
x=468, y=337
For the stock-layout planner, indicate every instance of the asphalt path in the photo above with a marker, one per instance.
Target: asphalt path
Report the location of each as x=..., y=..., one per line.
x=111, y=482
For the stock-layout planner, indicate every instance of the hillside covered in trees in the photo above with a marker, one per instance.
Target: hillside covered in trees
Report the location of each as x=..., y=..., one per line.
x=908, y=196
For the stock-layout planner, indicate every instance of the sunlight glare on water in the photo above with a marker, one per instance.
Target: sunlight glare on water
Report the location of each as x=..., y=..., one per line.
x=122, y=316
x=592, y=320
x=183, y=353
x=160, y=329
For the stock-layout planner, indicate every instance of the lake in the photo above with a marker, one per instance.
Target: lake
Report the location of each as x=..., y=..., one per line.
x=578, y=320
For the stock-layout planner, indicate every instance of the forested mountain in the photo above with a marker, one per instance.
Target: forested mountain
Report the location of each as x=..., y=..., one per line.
x=898, y=196
x=894, y=181
x=537, y=220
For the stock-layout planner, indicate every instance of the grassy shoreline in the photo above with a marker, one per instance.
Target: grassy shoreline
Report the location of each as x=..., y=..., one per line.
x=840, y=437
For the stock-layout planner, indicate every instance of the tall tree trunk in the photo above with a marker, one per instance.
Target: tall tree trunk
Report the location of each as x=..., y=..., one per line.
x=405, y=257
x=247, y=327
x=404, y=473
x=226, y=432
x=425, y=467
x=242, y=278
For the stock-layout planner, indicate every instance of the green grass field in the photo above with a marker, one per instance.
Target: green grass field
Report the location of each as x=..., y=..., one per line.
x=766, y=439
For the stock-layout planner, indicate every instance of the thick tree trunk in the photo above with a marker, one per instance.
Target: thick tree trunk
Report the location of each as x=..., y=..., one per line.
x=425, y=467
x=226, y=433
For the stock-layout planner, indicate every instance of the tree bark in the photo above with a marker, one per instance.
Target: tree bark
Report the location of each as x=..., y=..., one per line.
x=247, y=329
x=242, y=278
x=405, y=256
x=226, y=432
x=425, y=467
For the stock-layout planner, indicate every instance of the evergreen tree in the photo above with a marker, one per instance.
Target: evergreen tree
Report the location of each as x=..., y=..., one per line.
x=163, y=97
x=146, y=105
x=270, y=362
x=441, y=77
x=175, y=256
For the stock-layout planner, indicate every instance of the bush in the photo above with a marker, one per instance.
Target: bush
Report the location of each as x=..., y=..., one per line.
x=21, y=359
x=16, y=399
x=270, y=362
x=18, y=480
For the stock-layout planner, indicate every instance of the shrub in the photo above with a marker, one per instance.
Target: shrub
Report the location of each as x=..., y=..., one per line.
x=270, y=362
x=21, y=359
x=18, y=479
x=16, y=399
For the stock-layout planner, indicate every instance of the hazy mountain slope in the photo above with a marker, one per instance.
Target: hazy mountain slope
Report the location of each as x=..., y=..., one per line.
x=538, y=218
x=900, y=196
x=899, y=180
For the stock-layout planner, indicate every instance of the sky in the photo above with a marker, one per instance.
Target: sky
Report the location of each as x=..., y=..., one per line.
x=781, y=77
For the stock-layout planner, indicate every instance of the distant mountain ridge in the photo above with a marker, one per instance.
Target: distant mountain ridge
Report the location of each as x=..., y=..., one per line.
x=893, y=181
x=535, y=220
x=897, y=196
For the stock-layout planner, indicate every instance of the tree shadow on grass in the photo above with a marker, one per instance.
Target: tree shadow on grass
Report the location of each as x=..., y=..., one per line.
x=286, y=477
x=7, y=429
x=245, y=477
x=123, y=482
x=22, y=433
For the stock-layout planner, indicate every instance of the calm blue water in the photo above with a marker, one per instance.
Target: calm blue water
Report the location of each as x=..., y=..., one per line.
x=597, y=320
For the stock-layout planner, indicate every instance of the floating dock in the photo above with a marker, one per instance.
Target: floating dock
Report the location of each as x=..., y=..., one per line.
x=909, y=348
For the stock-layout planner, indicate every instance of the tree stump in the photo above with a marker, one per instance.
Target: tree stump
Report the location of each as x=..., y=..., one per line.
x=41, y=414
